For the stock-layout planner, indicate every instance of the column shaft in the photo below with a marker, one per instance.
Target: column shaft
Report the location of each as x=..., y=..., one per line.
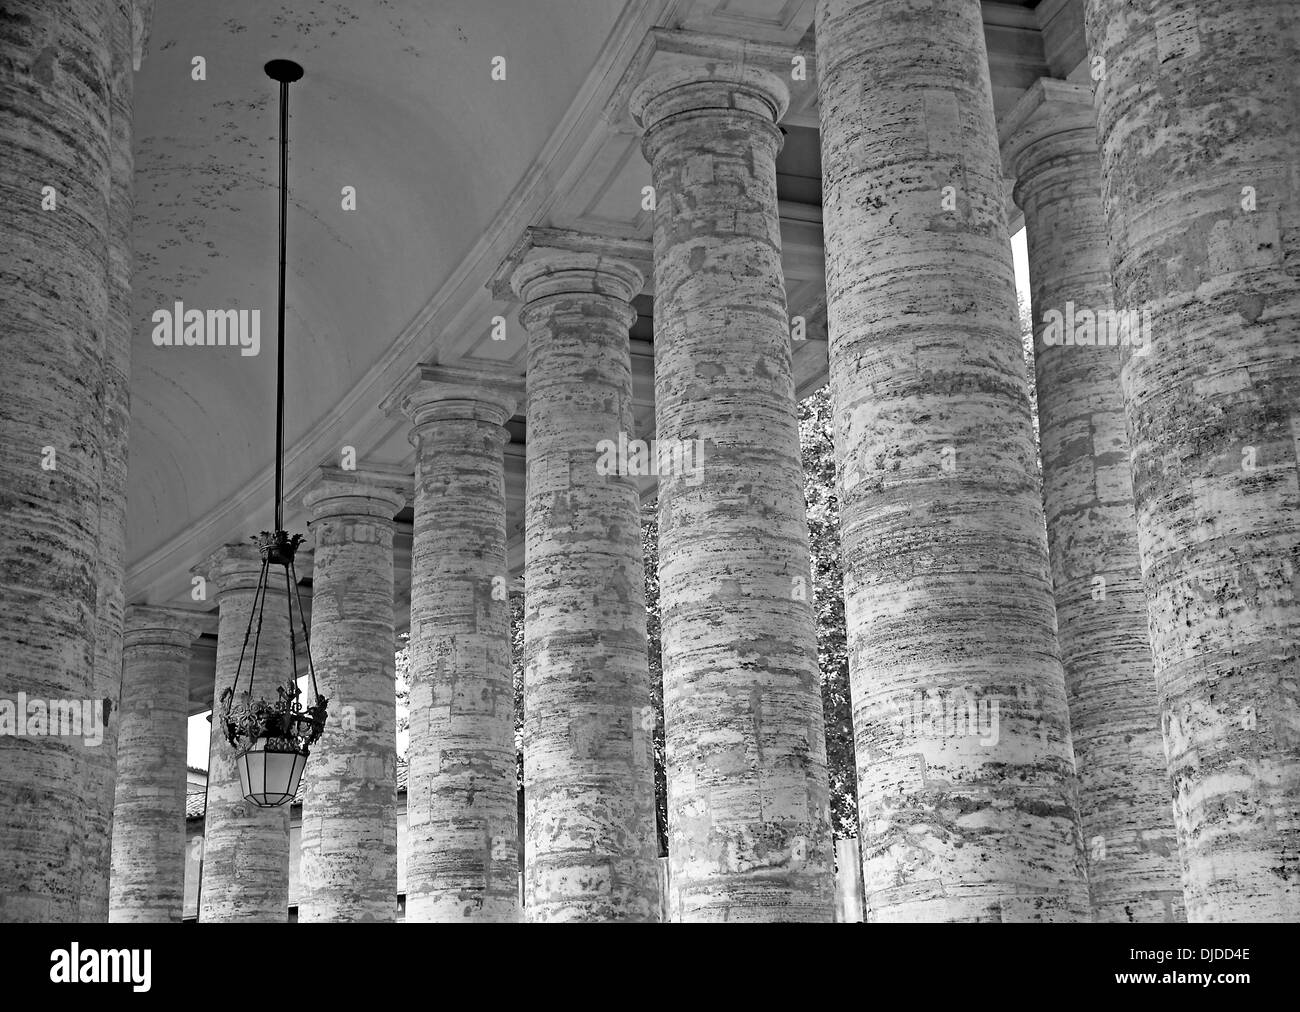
x=589, y=809
x=748, y=800
x=348, y=865
x=245, y=848
x=55, y=64
x=1198, y=115
x=965, y=772
x=1101, y=615
x=113, y=440
x=462, y=864
x=148, y=847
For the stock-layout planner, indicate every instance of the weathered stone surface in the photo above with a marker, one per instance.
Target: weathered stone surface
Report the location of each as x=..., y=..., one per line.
x=589, y=819
x=967, y=813
x=148, y=880
x=1101, y=615
x=748, y=810
x=348, y=864
x=1199, y=121
x=463, y=862
x=55, y=68
x=245, y=848
x=101, y=769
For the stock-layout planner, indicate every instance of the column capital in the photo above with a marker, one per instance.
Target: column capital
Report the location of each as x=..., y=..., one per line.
x=708, y=88
x=1047, y=109
x=538, y=242
x=369, y=492
x=150, y=624
x=432, y=393
x=231, y=567
x=555, y=275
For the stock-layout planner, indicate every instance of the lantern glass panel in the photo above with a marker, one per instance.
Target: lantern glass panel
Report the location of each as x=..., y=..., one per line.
x=269, y=779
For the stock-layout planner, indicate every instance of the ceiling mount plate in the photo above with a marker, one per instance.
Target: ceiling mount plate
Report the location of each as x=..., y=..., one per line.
x=284, y=71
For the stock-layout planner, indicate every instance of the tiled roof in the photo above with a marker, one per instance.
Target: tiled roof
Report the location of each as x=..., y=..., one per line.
x=196, y=801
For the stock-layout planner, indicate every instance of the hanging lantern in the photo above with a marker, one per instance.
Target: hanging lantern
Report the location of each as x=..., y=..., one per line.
x=272, y=737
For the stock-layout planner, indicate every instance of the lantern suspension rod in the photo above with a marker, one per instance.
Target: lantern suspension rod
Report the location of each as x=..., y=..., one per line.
x=279, y=351
x=283, y=71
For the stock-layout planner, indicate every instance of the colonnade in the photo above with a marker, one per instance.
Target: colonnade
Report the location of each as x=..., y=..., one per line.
x=1074, y=695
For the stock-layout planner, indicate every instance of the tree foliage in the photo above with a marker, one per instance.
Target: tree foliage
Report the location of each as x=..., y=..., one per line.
x=816, y=434
x=650, y=551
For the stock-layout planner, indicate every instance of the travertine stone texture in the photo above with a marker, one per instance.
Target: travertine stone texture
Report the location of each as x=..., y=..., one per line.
x=968, y=813
x=462, y=864
x=113, y=437
x=245, y=849
x=348, y=865
x=1198, y=115
x=1101, y=615
x=589, y=809
x=748, y=813
x=148, y=881
x=55, y=70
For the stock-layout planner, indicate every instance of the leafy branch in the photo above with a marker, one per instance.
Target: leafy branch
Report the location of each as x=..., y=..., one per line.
x=284, y=723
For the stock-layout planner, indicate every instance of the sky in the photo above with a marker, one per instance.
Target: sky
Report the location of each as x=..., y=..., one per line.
x=1020, y=255
x=199, y=728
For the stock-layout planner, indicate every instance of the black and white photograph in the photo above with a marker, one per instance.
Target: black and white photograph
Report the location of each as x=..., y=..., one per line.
x=769, y=462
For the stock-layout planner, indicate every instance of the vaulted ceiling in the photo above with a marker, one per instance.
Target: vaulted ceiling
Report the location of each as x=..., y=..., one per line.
x=398, y=101
x=449, y=168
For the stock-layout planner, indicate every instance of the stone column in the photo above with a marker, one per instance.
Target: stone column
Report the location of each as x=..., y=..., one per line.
x=1198, y=115
x=348, y=865
x=114, y=436
x=246, y=848
x=148, y=881
x=462, y=862
x=589, y=807
x=748, y=801
x=1133, y=875
x=965, y=771
x=55, y=62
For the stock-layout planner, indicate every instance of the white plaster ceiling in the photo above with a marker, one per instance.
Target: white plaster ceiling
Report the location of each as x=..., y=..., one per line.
x=398, y=101
x=449, y=167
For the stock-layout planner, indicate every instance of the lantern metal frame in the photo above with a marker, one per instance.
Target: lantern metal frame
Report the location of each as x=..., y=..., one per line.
x=259, y=729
